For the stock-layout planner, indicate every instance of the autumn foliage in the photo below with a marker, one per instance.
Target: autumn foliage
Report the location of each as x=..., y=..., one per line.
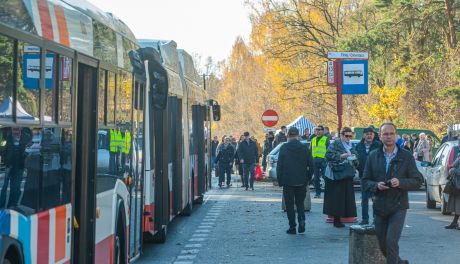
x=413, y=64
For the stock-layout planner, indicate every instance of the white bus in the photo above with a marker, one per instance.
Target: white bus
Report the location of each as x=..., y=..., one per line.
x=101, y=144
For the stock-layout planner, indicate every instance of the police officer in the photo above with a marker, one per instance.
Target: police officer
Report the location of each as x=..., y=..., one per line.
x=319, y=145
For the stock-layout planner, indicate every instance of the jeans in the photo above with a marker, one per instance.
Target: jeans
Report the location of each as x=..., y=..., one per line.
x=225, y=168
x=248, y=174
x=12, y=178
x=365, y=196
x=320, y=167
x=388, y=230
x=213, y=160
x=264, y=163
x=295, y=195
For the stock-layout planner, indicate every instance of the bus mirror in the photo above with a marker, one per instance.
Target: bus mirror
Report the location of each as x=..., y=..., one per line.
x=216, y=112
x=158, y=77
x=138, y=66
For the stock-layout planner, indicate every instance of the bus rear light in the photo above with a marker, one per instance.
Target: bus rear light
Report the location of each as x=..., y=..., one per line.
x=98, y=213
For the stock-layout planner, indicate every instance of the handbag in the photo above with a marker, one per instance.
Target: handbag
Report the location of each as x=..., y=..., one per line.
x=258, y=173
x=453, y=185
x=341, y=171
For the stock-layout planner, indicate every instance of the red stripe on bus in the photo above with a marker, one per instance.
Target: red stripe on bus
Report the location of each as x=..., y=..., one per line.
x=61, y=217
x=45, y=19
x=62, y=26
x=149, y=213
x=170, y=206
x=43, y=237
x=104, y=251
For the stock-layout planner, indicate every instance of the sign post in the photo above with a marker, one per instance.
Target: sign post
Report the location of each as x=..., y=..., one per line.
x=350, y=73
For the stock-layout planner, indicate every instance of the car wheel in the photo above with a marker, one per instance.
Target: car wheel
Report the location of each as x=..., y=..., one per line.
x=430, y=204
x=444, y=210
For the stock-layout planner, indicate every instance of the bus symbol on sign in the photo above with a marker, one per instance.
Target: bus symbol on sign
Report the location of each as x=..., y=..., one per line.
x=353, y=73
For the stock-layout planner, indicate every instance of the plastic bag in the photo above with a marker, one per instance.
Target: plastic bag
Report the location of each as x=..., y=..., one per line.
x=258, y=173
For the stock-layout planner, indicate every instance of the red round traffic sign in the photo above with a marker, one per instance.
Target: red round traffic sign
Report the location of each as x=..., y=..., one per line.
x=270, y=118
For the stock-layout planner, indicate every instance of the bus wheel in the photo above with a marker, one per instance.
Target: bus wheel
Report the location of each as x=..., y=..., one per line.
x=11, y=257
x=160, y=237
x=199, y=200
x=187, y=210
x=119, y=243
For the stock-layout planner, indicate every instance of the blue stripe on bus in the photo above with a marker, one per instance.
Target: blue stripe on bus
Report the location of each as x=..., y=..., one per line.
x=24, y=237
x=5, y=222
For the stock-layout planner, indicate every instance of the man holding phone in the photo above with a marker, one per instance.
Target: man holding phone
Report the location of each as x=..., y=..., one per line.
x=389, y=174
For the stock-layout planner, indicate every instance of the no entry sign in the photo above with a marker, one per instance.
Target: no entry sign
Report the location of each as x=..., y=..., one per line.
x=269, y=118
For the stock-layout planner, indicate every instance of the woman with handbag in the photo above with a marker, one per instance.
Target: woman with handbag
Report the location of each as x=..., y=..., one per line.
x=453, y=204
x=339, y=195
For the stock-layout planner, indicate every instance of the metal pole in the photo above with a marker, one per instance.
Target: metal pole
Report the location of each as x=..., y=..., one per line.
x=208, y=143
x=339, y=95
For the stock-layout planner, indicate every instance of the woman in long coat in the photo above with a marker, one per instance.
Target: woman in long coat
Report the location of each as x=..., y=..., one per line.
x=339, y=195
x=453, y=204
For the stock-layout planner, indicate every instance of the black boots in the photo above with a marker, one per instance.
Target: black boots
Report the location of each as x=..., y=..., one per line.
x=337, y=222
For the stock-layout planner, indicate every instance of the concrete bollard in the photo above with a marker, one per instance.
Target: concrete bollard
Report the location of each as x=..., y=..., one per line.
x=364, y=247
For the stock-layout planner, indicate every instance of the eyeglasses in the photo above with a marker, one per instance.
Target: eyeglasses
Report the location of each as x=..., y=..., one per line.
x=348, y=136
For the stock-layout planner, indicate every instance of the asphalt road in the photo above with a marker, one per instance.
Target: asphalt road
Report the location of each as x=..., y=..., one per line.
x=238, y=226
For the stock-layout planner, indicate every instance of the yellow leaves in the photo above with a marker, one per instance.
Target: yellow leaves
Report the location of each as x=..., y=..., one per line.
x=389, y=103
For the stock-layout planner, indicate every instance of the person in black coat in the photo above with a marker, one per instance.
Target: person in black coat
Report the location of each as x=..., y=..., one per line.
x=280, y=137
x=268, y=146
x=390, y=172
x=339, y=195
x=294, y=170
x=225, y=159
x=365, y=146
x=247, y=154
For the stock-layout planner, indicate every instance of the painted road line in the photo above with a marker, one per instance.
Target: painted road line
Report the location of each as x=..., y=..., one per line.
x=198, y=239
x=190, y=251
x=193, y=245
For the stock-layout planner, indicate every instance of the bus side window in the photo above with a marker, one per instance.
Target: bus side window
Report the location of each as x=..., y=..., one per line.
x=7, y=78
x=28, y=90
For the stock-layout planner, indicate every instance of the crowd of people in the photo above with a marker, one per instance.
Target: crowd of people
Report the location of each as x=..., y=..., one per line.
x=384, y=161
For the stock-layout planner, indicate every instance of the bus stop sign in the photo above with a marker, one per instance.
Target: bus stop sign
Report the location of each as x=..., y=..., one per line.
x=270, y=118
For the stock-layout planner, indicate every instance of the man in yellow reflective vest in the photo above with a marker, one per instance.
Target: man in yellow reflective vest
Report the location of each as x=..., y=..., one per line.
x=116, y=142
x=319, y=145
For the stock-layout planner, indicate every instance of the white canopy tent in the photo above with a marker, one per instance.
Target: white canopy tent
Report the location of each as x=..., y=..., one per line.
x=301, y=123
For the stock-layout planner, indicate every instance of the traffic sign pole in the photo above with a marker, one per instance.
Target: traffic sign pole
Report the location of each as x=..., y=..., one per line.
x=339, y=95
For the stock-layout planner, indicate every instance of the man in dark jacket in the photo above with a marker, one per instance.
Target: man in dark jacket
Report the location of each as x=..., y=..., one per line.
x=390, y=172
x=214, y=144
x=281, y=136
x=365, y=146
x=306, y=134
x=247, y=153
x=294, y=170
x=268, y=146
x=225, y=160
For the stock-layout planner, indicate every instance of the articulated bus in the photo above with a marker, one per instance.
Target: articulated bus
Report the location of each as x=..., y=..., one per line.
x=103, y=138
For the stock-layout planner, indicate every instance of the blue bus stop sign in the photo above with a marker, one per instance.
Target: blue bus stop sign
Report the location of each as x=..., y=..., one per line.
x=354, y=77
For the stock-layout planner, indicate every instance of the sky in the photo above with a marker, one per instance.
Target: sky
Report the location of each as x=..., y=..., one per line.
x=203, y=27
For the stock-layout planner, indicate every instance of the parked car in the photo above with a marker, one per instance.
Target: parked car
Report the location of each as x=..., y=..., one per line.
x=436, y=172
x=272, y=159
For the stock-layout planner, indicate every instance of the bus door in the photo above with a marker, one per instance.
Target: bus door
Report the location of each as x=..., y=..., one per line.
x=162, y=195
x=85, y=158
x=175, y=152
x=198, y=114
x=137, y=188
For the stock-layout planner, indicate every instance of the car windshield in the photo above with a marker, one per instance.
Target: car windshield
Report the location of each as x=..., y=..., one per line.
x=277, y=148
